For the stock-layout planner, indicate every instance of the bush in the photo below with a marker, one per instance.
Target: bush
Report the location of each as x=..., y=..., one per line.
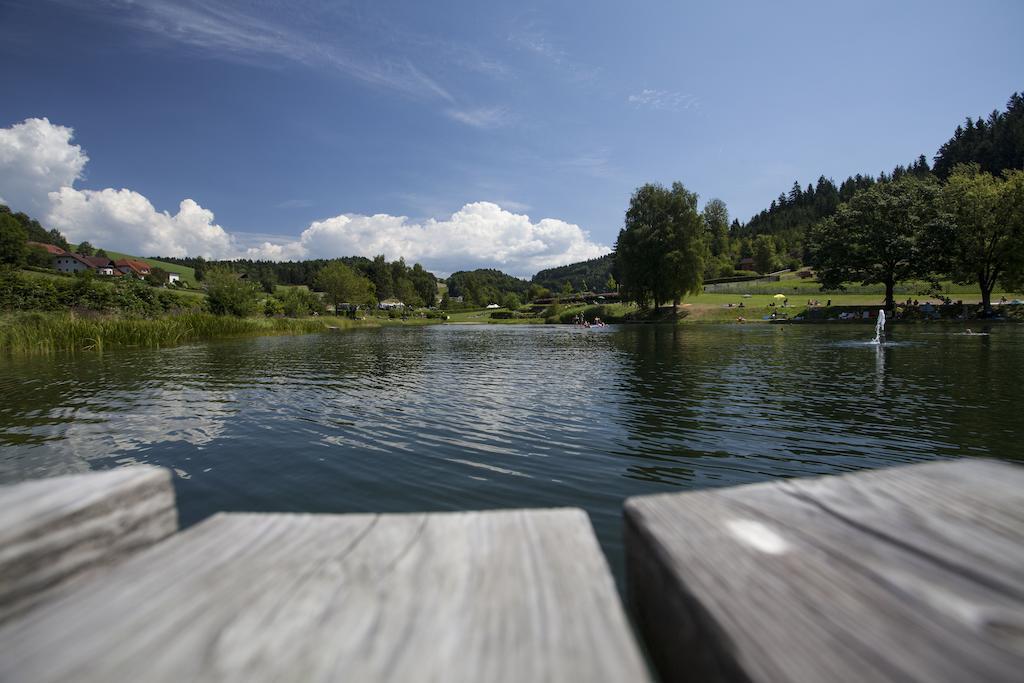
x=298, y=301
x=19, y=292
x=229, y=294
x=272, y=306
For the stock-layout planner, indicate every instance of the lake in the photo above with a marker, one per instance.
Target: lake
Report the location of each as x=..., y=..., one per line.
x=468, y=417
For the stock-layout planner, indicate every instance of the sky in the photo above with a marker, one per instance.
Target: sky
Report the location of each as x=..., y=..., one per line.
x=464, y=134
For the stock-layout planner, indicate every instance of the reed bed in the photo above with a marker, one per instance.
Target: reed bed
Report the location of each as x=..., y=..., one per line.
x=30, y=333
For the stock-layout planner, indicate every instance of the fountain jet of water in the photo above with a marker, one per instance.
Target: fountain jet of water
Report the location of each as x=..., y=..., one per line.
x=880, y=327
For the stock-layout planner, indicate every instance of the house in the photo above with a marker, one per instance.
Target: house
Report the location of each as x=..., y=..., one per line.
x=493, y=306
x=76, y=263
x=48, y=248
x=173, y=278
x=139, y=269
x=746, y=263
x=389, y=304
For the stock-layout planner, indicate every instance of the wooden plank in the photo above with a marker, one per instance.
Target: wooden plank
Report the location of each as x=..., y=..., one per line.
x=910, y=574
x=521, y=595
x=59, y=529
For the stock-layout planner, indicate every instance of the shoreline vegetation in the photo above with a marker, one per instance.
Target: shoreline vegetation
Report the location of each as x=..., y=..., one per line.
x=37, y=332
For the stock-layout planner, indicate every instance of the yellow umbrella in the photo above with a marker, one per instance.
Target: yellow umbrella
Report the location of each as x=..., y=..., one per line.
x=780, y=296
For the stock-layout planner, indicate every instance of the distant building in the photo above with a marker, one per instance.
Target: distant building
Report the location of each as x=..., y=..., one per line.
x=139, y=269
x=746, y=264
x=76, y=263
x=493, y=306
x=172, y=278
x=389, y=304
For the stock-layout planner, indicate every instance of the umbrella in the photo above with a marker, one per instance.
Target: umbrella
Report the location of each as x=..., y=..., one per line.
x=779, y=296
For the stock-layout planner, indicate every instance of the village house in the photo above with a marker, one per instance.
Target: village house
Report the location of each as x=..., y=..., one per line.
x=389, y=304
x=139, y=269
x=75, y=263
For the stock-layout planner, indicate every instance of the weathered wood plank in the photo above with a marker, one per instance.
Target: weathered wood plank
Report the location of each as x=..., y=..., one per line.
x=522, y=595
x=912, y=573
x=55, y=530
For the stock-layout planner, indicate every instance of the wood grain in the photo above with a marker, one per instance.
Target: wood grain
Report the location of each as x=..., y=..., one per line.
x=483, y=596
x=57, y=530
x=907, y=574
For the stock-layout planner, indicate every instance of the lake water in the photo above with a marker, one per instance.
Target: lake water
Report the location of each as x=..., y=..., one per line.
x=468, y=417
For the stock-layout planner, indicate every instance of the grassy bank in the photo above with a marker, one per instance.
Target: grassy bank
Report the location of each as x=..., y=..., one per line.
x=22, y=333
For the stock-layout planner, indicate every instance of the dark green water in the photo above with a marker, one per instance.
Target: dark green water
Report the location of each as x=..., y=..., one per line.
x=449, y=418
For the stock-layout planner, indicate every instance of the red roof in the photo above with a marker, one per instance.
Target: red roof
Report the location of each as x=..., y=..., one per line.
x=140, y=267
x=97, y=261
x=50, y=248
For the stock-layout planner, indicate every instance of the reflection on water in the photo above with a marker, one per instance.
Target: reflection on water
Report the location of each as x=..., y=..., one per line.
x=444, y=418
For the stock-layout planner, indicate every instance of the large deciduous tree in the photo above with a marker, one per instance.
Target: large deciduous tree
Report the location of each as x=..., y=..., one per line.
x=341, y=284
x=880, y=236
x=659, y=254
x=984, y=236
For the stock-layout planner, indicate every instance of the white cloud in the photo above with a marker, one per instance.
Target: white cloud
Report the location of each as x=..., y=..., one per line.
x=127, y=221
x=479, y=235
x=38, y=169
x=664, y=99
x=39, y=166
x=36, y=158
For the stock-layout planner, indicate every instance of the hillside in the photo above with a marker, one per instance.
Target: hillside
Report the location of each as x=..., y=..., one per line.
x=188, y=275
x=589, y=275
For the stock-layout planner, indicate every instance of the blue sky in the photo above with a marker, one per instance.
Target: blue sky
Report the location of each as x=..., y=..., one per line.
x=464, y=134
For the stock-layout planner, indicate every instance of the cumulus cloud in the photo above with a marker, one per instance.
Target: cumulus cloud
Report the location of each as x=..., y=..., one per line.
x=128, y=221
x=36, y=158
x=39, y=167
x=479, y=235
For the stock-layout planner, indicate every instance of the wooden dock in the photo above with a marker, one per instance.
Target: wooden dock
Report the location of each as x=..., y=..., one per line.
x=908, y=574
x=514, y=595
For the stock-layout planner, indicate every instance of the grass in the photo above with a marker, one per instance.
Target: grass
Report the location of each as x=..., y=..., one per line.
x=28, y=333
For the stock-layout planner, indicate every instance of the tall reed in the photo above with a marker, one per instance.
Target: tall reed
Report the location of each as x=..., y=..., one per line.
x=22, y=333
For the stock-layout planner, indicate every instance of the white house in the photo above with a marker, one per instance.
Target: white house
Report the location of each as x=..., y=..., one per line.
x=389, y=304
x=172, y=278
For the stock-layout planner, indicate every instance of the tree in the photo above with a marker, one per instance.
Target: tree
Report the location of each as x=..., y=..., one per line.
x=510, y=301
x=765, y=258
x=881, y=236
x=157, y=277
x=610, y=284
x=716, y=225
x=341, y=284
x=659, y=254
x=12, y=240
x=102, y=252
x=984, y=238
x=228, y=294
x=85, y=249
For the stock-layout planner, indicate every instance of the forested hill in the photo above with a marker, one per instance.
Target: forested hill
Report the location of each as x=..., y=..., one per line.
x=390, y=279
x=995, y=142
x=584, y=276
x=36, y=232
